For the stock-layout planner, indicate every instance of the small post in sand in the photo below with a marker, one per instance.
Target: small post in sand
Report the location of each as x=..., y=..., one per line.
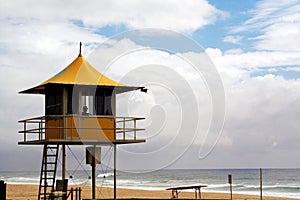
x=2, y=190
x=260, y=175
x=230, y=185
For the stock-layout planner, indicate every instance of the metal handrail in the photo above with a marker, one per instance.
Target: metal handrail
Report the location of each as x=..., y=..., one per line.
x=37, y=125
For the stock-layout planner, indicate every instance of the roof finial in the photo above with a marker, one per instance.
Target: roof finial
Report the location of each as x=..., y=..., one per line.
x=80, y=44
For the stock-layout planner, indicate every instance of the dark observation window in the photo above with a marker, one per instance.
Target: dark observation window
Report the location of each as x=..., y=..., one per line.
x=54, y=104
x=108, y=105
x=73, y=102
x=103, y=102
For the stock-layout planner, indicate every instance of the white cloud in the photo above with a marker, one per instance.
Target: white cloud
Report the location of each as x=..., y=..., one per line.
x=280, y=36
x=37, y=37
x=38, y=42
x=259, y=109
x=234, y=51
x=175, y=15
x=31, y=51
x=263, y=111
x=277, y=24
x=295, y=69
x=255, y=59
x=232, y=39
x=237, y=67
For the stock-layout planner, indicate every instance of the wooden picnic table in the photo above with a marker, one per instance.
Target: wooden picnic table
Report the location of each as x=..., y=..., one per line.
x=197, y=189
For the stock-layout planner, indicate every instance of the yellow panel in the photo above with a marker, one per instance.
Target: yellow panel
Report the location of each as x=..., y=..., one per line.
x=54, y=128
x=90, y=128
x=108, y=123
x=71, y=128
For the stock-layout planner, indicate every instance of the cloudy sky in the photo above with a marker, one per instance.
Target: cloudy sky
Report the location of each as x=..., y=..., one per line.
x=254, y=47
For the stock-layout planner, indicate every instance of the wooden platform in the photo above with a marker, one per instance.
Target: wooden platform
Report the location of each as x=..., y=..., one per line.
x=153, y=199
x=80, y=142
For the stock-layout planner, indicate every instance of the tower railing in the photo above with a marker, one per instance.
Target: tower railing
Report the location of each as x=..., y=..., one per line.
x=35, y=129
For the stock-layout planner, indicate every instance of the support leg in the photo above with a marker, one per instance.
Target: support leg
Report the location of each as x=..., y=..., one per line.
x=63, y=173
x=115, y=171
x=200, y=193
x=93, y=174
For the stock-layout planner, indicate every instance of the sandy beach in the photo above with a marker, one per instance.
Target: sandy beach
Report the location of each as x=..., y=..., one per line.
x=29, y=192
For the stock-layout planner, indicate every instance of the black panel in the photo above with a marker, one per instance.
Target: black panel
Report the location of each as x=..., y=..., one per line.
x=54, y=102
x=73, y=101
x=103, y=101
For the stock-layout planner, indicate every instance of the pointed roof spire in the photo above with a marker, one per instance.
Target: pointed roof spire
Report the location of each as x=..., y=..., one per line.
x=80, y=44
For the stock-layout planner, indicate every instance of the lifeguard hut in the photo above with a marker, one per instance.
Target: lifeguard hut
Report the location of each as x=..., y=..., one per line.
x=80, y=109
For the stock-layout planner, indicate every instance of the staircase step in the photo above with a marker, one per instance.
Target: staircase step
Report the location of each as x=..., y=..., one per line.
x=51, y=163
x=49, y=170
x=51, y=155
x=55, y=147
x=46, y=185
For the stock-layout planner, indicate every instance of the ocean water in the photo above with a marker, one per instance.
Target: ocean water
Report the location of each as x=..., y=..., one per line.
x=276, y=182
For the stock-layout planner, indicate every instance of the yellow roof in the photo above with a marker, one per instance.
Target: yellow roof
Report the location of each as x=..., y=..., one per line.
x=79, y=72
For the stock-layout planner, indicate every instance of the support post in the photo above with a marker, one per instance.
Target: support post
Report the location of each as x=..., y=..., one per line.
x=199, y=191
x=230, y=185
x=93, y=157
x=71, y=193
x=76, y=193
x=63, y=172
x=93, y=174
x=40, y=130
x=45, y=172
x=134, y=129
x=79, y=194
x=124, y=128
x=115, y=171
x=25, y=131
x=2, y=190
x=260, y=175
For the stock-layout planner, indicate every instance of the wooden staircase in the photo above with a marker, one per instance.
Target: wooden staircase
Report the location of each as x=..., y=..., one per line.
x=48, y=170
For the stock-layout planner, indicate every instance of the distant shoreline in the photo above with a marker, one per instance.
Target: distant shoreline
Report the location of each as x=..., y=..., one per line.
x=209, y=193
x=276, y=182
x=30, y=192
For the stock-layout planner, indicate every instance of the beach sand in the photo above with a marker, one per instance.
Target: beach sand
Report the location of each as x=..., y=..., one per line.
x=29, y=192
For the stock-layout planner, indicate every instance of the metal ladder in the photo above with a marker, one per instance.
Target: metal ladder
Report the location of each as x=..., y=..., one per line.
x=48, y=170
